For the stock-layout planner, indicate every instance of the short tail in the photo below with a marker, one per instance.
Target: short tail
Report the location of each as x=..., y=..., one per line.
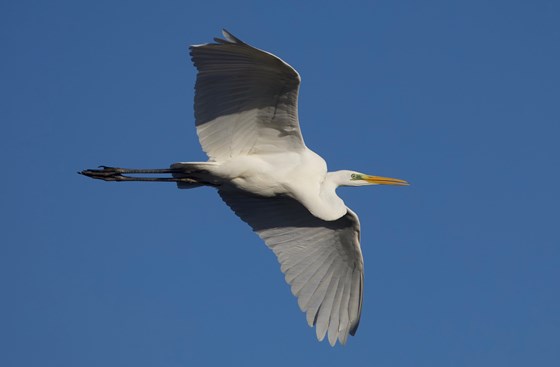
x=185, y=185
x=199, y=172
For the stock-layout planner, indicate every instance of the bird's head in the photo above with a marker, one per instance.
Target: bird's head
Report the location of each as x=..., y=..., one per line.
x=353, y=178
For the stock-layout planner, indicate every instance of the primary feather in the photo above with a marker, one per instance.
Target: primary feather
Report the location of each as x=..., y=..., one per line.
x=321, y=260
x=245, y=100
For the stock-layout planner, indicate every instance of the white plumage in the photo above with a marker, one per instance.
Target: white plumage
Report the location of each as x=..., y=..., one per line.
x=247, y=123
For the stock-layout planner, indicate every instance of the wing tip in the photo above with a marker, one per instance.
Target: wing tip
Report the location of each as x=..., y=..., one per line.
x=354, y=327
x=228, y=38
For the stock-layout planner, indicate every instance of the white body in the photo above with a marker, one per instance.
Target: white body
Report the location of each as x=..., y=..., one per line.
x=299, y=175
x=246, y=120
x=247, y=123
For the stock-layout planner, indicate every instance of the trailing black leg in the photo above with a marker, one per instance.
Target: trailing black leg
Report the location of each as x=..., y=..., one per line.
x=119, y=174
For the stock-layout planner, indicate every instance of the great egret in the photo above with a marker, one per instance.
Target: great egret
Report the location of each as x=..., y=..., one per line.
x=246, y=119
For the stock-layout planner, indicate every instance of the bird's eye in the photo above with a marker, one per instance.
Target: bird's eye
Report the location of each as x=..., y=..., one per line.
x=354, y=176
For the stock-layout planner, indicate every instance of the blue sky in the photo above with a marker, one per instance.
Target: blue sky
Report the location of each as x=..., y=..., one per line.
x=461, y=98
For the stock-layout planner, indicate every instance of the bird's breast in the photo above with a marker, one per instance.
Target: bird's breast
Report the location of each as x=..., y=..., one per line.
x=290, y=173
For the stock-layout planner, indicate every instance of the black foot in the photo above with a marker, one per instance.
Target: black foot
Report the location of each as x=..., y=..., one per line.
x=105, y=173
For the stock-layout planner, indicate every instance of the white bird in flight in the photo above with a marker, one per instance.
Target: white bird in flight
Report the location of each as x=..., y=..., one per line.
x=246, y=118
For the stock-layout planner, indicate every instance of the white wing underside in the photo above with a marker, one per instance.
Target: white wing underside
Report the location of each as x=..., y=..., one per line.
x=245, y=100
x=321, y=260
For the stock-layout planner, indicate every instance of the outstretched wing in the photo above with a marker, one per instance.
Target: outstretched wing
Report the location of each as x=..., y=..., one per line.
x=321, y=260
x=245, y=100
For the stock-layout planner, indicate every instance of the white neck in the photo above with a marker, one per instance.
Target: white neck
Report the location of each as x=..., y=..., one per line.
x=335, y=207
x=327, y=205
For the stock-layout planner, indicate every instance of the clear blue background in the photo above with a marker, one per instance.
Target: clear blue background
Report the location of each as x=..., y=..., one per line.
x=461, y=98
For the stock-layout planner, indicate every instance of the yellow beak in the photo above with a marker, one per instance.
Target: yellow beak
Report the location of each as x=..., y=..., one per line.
x=378, y=180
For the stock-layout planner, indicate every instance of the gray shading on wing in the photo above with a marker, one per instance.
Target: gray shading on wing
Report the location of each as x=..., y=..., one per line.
x=245, y=100
x=321, y=260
